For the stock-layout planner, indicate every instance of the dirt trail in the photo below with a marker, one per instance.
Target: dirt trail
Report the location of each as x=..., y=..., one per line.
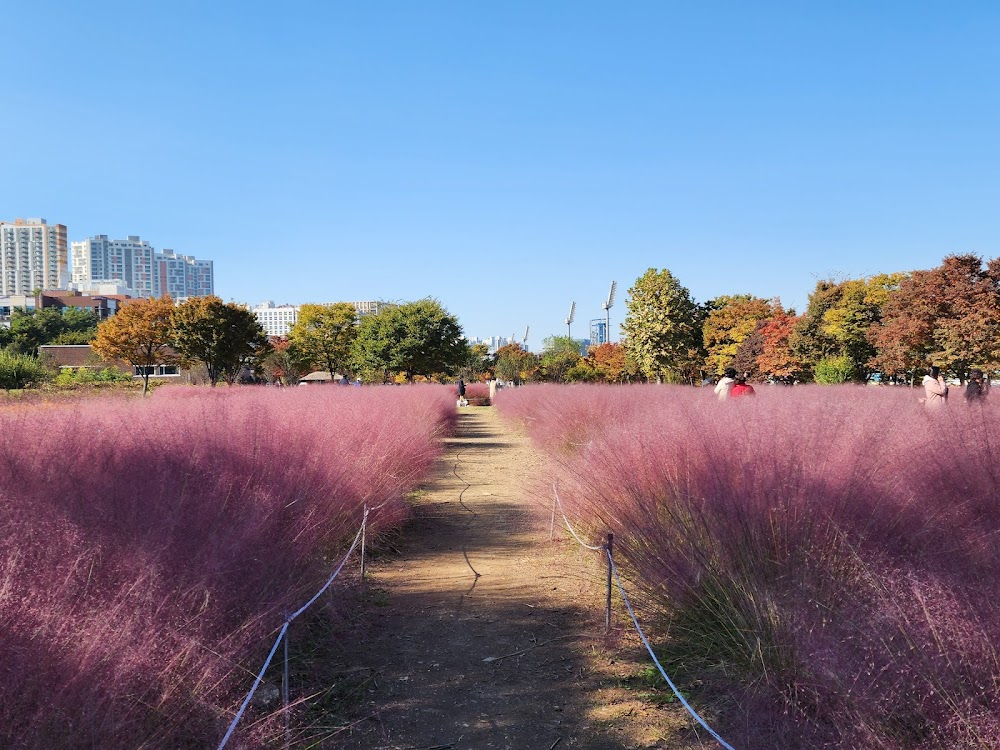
x=491, y=636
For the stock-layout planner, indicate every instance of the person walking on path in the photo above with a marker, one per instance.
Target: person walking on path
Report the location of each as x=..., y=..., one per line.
x=935, y=389
x=725, y=385
x=461, y=391
x=975, y=391
x=742, y=388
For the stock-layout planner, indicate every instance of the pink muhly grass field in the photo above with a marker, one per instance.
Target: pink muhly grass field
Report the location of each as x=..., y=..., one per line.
x=149, y=548
x=826, y=560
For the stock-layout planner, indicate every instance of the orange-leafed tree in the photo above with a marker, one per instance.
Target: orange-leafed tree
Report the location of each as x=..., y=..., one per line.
x=777, y=359
x=610, y=362
x=139, y=333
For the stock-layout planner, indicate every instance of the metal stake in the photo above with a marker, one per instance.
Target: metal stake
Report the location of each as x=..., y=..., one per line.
x=607, y=614
x=364, y=529
x=284, y=693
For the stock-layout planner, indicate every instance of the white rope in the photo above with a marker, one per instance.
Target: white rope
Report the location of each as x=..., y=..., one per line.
x=555, y=489
x=284, y=629
x=628, y=605
x=256, y=682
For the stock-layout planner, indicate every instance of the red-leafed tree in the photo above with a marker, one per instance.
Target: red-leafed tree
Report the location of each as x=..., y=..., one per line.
x=948, y=316
x=777, y=359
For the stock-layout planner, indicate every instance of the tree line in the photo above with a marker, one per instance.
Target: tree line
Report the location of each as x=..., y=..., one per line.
x=886, y=327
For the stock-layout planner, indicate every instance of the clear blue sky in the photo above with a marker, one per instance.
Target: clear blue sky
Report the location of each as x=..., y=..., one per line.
x=510, y=157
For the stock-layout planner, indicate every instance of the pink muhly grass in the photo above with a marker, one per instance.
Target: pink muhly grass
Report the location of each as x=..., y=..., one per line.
x=828, y=557
x=149, y=548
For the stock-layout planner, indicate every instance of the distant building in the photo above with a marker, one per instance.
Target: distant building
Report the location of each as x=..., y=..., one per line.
x=137, y=265
x=598, y=331
x=184, y=276
x=493, y=342
x=277, y=320
x=32, y=256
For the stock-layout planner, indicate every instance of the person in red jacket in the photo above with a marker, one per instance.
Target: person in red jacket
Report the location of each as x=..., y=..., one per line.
x=740, y=388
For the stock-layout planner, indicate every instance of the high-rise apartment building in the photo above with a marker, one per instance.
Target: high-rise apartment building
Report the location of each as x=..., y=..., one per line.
x=32, y=256
x=184, y=276
x=134, y=263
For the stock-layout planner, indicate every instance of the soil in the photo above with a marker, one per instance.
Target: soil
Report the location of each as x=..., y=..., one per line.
x=481, y=632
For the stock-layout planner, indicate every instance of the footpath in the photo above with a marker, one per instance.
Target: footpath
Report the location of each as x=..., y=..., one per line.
x=486, y=634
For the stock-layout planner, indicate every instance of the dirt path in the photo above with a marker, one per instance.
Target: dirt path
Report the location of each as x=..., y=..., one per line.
x=491, y=636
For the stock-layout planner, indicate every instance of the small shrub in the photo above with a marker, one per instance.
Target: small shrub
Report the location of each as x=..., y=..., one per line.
x=20, y=370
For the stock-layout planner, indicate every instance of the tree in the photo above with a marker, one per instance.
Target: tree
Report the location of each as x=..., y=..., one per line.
x=30, y=329
x=560, y=354
x=838, y=319
x=325, y=334
x=949, y=316
x=284, y=363
x=730, y=320
x=610, y=362
x=834, y=370
x=777, y=359
x=477, y=361
x=514, y=363
x=139, y=333
x=224, y=336
x=663, y=326
x=415, y=338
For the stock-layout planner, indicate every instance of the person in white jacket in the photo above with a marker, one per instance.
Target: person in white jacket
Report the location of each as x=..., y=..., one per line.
x=935, y=389
x=725, y=385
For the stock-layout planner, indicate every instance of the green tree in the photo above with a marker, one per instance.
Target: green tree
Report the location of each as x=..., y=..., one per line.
x=663, y=326
x=223, y=336
x=140, y=334
x=560, y=355
x=325, y=335
x=30, y=329
x=414, y=338
x=834, y=370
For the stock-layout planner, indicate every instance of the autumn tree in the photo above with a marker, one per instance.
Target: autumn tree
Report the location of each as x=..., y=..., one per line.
x=140, y=334
x=777, y=359
x=610, y=362
x=325, y=335
x=284, y=363
x=223, y=336
x=514, y=363
x=729, y=321
x=949, y=316
x=663, y=326
x=838, y=319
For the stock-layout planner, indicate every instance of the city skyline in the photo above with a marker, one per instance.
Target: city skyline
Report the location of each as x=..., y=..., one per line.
x=509, y=161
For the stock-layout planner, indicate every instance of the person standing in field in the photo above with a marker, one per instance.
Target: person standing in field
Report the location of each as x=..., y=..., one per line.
x=742, y=388
x=975, y=391
x=935, y=389
x=461, y=390
x=725, y=385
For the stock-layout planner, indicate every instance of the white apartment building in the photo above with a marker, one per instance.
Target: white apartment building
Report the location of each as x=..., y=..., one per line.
x=277, y=320
x=184, y=276
x=134, y=263
x=32, y=256
x=129, y=261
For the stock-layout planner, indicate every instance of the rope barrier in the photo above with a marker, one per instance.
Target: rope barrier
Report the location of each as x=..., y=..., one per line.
x=656, y=661
x=569, y=528
x=613, y=569
x=284, y=631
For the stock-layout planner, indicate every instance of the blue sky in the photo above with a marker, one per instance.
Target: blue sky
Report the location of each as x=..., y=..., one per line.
x=509, y=158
